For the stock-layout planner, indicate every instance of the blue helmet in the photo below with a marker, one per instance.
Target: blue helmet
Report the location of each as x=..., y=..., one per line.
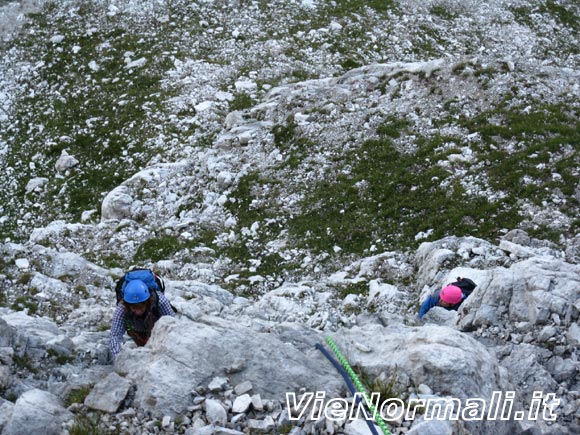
x=136, y=292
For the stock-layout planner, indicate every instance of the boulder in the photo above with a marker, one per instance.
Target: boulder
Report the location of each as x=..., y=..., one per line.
x=441, y=316
x=32, y=334
x=215, y=412
x=36, y=184
x=108, y=394
x=359, y=427
x=573, y=335
x=37, y=412
x=117, y=204
x=188, y=288
x=450, y=362
x=6, y=410
x=242, y=404
x=529, y=291
x=65, y=162
x=562, y=369
x=182, y=355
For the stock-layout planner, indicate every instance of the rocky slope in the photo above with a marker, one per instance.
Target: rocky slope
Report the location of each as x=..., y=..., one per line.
x=295, y=170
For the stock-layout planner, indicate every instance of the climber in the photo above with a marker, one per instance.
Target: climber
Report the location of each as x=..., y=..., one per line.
x=139, y=306
x=450, y=297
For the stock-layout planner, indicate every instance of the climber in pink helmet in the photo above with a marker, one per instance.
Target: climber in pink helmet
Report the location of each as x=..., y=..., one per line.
x=450, y=297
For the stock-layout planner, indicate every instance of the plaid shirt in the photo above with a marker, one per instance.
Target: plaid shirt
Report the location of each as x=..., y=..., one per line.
x=118, y=324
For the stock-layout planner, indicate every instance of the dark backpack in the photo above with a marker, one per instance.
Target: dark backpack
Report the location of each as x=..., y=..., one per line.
x=152, y=281
x=465, y=284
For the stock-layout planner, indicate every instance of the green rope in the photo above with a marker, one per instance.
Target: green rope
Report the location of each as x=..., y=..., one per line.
x=359, y=385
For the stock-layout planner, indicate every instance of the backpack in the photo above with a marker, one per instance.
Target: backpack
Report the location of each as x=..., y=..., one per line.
x=465, y=284
x=152, y=281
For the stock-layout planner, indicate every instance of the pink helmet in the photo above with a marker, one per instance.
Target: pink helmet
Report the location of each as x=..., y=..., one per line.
x=451, y=294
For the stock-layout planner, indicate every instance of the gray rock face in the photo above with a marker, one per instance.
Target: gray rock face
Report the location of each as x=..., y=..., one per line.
x=182, y=355
x=450, y=362
x=525, y=368
x=108, y=394
x=32, y=334
x=37, y=412
x=6, y=410
x=117, y=204
x=529, y=291
x=432, y=427
x=573, y=335
x=441, y=316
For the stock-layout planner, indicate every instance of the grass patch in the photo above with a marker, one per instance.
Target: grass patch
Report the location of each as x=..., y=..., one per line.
x=388, y=197
x=358, y=288
x=78, y=395
x=24, y=362
x=25, y=303
x=562, y=14
x=345, y=7
x=254, y=204
x=393, y=127
x=58, y=357
x=443, y=12
x=85, y=424
x=84, y=100
x=291, y=143
x=241, y=102
x=161, y=248
x=545, y=131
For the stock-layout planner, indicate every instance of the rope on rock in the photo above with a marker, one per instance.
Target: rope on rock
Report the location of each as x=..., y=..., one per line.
x=349, y=383
x=359, y=385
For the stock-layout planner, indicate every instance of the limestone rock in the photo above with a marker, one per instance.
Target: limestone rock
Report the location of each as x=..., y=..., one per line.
x=450, y=362
x=32, y=333
x=182, y=354
x=108, y=394
x=65, y=162
x=215, y=412
x=432, y=427
x=242, y=404
x=37, y=412
x=117, y=204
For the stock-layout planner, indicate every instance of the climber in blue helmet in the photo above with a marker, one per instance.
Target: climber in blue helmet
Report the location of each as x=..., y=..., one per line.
x=139, y=307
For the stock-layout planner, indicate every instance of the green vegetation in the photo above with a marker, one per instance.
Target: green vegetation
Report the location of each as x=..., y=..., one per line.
x=358, y=288
x=161, y=248
x=443, y=12
x=564, y=15
x=291, y=143
x=90, y=104
x=344, y=7
x=241, y=101
x=78, y=395
x=83, y=425
x=24, y=362
x=393, y=127
x=58, y=357
x=90, y=424
x=387, y=198
x=25, y=302
x=549, y=135
x=386, y=389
